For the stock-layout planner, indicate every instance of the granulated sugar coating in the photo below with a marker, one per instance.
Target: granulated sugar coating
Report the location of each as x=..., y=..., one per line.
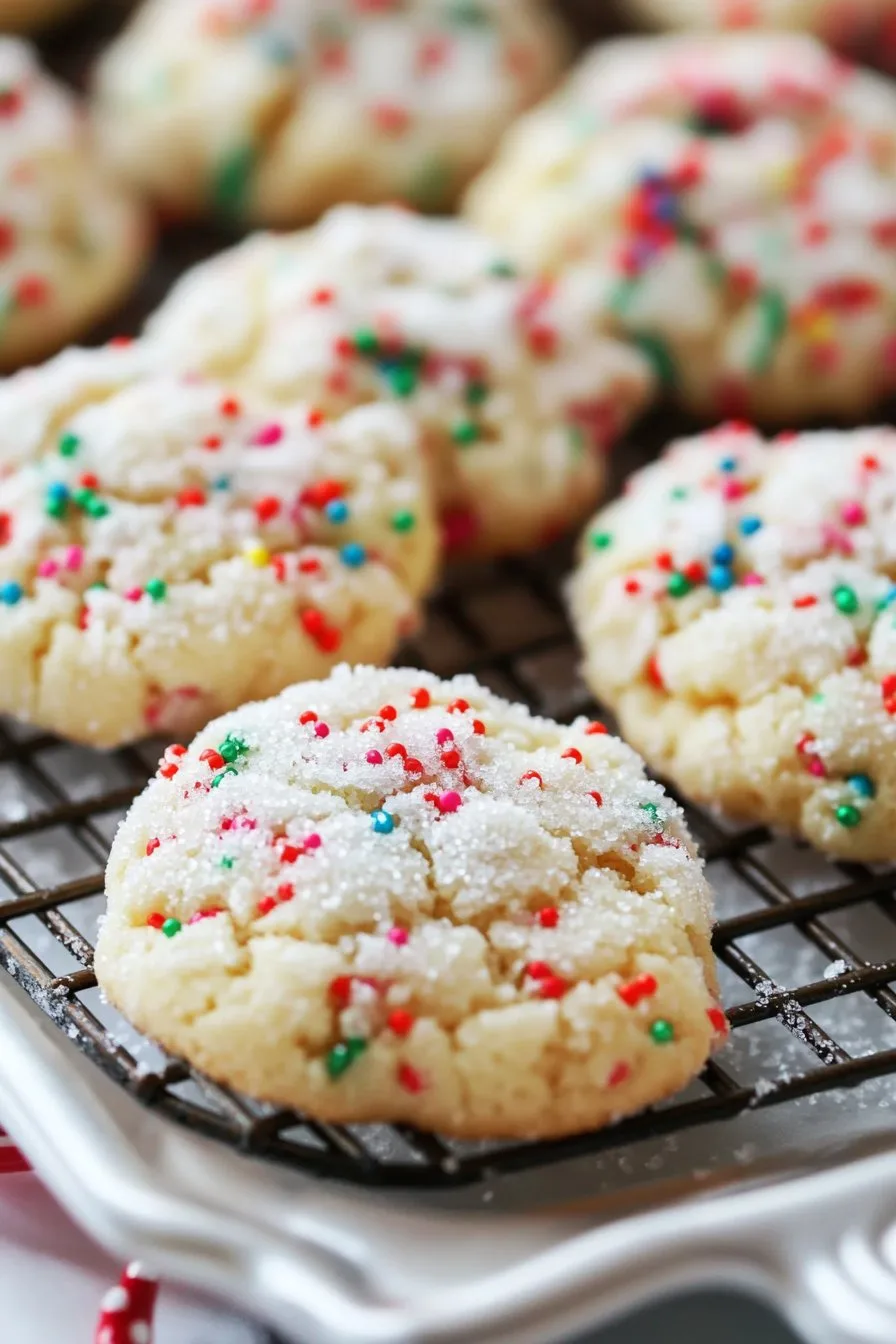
x=738, y=610
x=169, y=548
x=517, y=391
x=731, y=199
x=384, y=897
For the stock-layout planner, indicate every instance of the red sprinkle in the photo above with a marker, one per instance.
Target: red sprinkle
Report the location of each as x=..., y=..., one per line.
x=572, y=754
x=156, y=920
x=213, y=759
x=152, y=845
x=449, y=801
x=340, y=990
x=410, y=1079
x=420, y=698
x=389, y=713
x=531, y=774
x=642, y=987
x=401, y=1022
x=596, y=729
x=549, y=917
x=620, y=1073
x=450, y=759
x=718, y=1021
x=267, y=508
x=552, y=987
x=598, y=798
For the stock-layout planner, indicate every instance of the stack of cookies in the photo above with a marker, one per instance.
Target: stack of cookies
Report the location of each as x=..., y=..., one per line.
x=379, y=896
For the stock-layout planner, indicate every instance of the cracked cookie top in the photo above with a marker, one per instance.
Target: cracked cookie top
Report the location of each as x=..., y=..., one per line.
x=168, y=547
x=402, y=894
x=738, y=608
x=277, y=109
x=731, y=200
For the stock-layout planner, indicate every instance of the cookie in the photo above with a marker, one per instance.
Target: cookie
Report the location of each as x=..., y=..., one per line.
x=848, y=23
x=516, y=392
x=385, y=897
x=732, y=199
x=276, y=111
x=72, y=241
x=169, y=549
x=25, y=15
x=738, y=612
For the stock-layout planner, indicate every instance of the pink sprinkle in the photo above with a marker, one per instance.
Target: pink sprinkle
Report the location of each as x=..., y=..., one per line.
x=374, y=758
x=816, y=767
x=321, y=730
x=398, y=936
x=134, y=594
x=444, y=735
x=752, y=580
x=268, y=435
x=74, y=558
x=47, y=568
x=853, y=514
x=313, y=841
x=449, y=801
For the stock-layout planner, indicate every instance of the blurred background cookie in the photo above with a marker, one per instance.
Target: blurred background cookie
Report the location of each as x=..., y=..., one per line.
x=27, y=15
x=731, y=199
x=72, y=239
x=275, y=111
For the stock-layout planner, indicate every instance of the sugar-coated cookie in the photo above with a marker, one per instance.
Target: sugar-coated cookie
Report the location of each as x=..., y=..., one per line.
x=732, y=198
x=737, y=609
x=25, y=15
x=385, y=897
x=843, y=22
x=275, y=111
x=516, y=391
x=169, y=549
x=72, y=241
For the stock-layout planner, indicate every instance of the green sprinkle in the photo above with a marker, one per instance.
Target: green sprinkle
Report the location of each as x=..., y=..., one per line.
x=621, y=295
x=601, y=540
x=98, y=586
x=653, y=812
x=404, y=521
x=848, y=816
x=465, y=432
x=771, y=311
x=679, y=585
x=228, y=770
x=470, y=12
x=403, y=380
x=662, y=1032
x=227, y=861
x=157, y=589
x=171, y=927
x=431, y=184
x=845, y=599
x=476, y=393
x=660, y=357
x=56, y=507
x=232, y=748
x=679, y=492
x=576, y=436
x=68, y=445
x=366, y=341
x=230, y=183
x=343, y=1056
x=96, y=508
x=502, y=269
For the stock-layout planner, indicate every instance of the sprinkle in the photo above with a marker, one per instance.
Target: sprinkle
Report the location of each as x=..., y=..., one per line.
x=11, y=593
x=449, y=801
x=531, y=774
x=718, y=1021
x=374, y=758
x=450, y=759
x=747, y=526
x=382, y=821
x=268, y=435
x=848, y=816
x=862, y=785
x=156, y=920
x=343, y=1056
x=336, y=511
x=596, y=729
x=398, y=936
x=552, y=987
x=662, y=1032
x=213, y=759
x=723, y=554
x=642, y=987
x=659, y=356
x=152, y=845
x=420, y=698
x=620, y=1073
x=853, y=514
x=400, y=1022
x=678, y=586
x=601, y=540
x=191, y=498
x=548, y=917
x=232, y=179
x=403, y=521
x=465, y=432
x=68, y=444
x=410, y=1079
x=321, y=730
x=572, y=754
x=353, y=554
x=845, y=599
x=171, y=927
x=720, y=579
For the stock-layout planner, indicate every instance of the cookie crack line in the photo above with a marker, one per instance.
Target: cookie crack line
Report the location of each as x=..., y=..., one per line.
x=390, y=893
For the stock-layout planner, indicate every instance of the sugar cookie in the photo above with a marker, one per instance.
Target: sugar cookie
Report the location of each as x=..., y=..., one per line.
x=732, y=200
x=516, y=392
x=169, y=549
x=276, y=111
x=846, y=23
x=72, y=241
x=385, y=897
x=737, y=609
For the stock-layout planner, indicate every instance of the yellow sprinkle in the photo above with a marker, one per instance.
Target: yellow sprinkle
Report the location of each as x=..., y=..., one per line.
x=257, y=555
x=781, y=176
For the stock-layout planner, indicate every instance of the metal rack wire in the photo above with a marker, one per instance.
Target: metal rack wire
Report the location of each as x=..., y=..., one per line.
x=506, y=623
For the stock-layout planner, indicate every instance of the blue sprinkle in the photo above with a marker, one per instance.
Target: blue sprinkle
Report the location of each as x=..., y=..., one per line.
x=353, y=554
x=11, y=593
x=222, y=483
x=652, y=177
x=720, y=578
x=750, y=525
x=728, y=464
x=724, y=554
x=336, y=511
x=889, y=598
x=863, y=785
x=666, y=209
x=383, y=821
x=57, y=490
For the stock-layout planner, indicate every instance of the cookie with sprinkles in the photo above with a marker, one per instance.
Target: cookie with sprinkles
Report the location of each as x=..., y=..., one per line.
x=27, y=15
x=848, y=24
x=169, y=548
x=72, y=240
x=732, y=199
x=737, y=608
x=516, y=391
x=274, y=110
x=406, y=899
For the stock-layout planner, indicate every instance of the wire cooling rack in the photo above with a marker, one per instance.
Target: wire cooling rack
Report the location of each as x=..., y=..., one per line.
x=505, y=622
